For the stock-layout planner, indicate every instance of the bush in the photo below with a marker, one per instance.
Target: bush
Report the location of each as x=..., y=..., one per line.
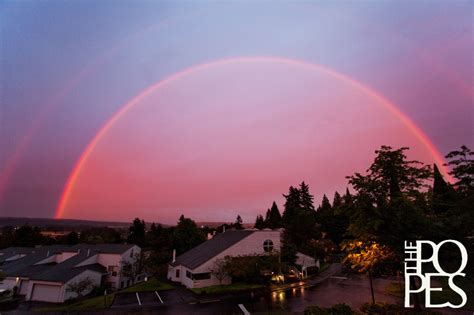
x=389, y=309
x=338, y=309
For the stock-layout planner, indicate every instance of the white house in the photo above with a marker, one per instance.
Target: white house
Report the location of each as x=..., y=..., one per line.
x=45, y=273
x=193, y=268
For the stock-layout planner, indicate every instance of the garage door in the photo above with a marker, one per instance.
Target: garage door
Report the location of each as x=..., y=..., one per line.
x=46, y=293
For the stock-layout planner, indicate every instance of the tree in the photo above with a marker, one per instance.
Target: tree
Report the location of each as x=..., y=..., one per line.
x=186, y=235
x=72, y=238
x=384, y=207
x=80, y=287
x=443, y=194
x=306, y=198
x=390, y=175
x=238, y=223
x=299, y=217
x=259, y=223
x=137, y=232
x=325, y=208
x=27, y=235
x=337, y=201
x=134, y=267
x=273, y=217
x=220, y=269
x=288, y=250
x=462, y=164
x=367, y=256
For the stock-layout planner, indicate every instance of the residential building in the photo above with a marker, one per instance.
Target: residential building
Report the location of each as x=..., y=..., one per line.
x=46, y=273
x=194, y=268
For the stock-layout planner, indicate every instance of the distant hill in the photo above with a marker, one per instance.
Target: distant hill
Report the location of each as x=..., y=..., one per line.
x=61, y=223
x=216, y=224
x=76, y=224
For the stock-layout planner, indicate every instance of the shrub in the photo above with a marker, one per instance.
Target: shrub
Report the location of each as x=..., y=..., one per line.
x=389, y=309
x=338, y=309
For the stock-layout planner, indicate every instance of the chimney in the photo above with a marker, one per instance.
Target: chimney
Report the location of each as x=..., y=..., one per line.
x=88, y=252
x=223, y=228
x=47, y=254
x=174, y=255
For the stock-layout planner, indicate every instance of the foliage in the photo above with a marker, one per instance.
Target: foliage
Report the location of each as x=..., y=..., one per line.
x=250, y=268
x=386, y=207
x=186, y=235
x=367, y=257
x=273, y=217
x=390, y=175
x=137, y=232
x=259, y=222
x=238, y=223
x=338, y=309
x=220, y=269
x=134, y=267
x=386, y=309
x=462, y=165
x=288, y=250
x=100, y=235
x=81, y=286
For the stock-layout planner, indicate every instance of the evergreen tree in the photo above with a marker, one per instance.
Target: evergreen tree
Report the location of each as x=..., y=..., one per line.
x=325, y=208
x=136, y=233
x=259, y=223
x=443, y=194
x=267, y=218
x=306, y=199
x=348, y=197
x=273, y=217
x=186, y=235
x=292, y=206
x=238, y=223
x=337, y=202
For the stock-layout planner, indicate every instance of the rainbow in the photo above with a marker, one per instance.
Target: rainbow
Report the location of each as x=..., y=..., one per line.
x=419, y=134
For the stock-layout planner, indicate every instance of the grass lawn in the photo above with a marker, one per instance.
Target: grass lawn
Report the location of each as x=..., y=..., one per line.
x=231, y=288
x=98, y=302
x=94, y=303
x=324, y=266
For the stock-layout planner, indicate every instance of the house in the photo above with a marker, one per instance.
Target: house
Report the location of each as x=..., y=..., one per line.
x=46, y=273
x=307, y=264
x=193, y=268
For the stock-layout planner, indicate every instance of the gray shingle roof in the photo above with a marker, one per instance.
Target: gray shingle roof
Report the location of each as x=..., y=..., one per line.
x=102, y=248
x=207, y=250
x=64, y=271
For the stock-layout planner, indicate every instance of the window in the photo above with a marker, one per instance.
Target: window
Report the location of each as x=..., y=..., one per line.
x=177, y=273
x=131, y=253
x=189, y=274
x=268, y=245
x=202, y=276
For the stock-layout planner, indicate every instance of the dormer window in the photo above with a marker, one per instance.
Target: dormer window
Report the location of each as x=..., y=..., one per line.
x=268, y=246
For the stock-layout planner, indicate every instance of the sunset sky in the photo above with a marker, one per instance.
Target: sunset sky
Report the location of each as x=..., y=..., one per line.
x=113, y=110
